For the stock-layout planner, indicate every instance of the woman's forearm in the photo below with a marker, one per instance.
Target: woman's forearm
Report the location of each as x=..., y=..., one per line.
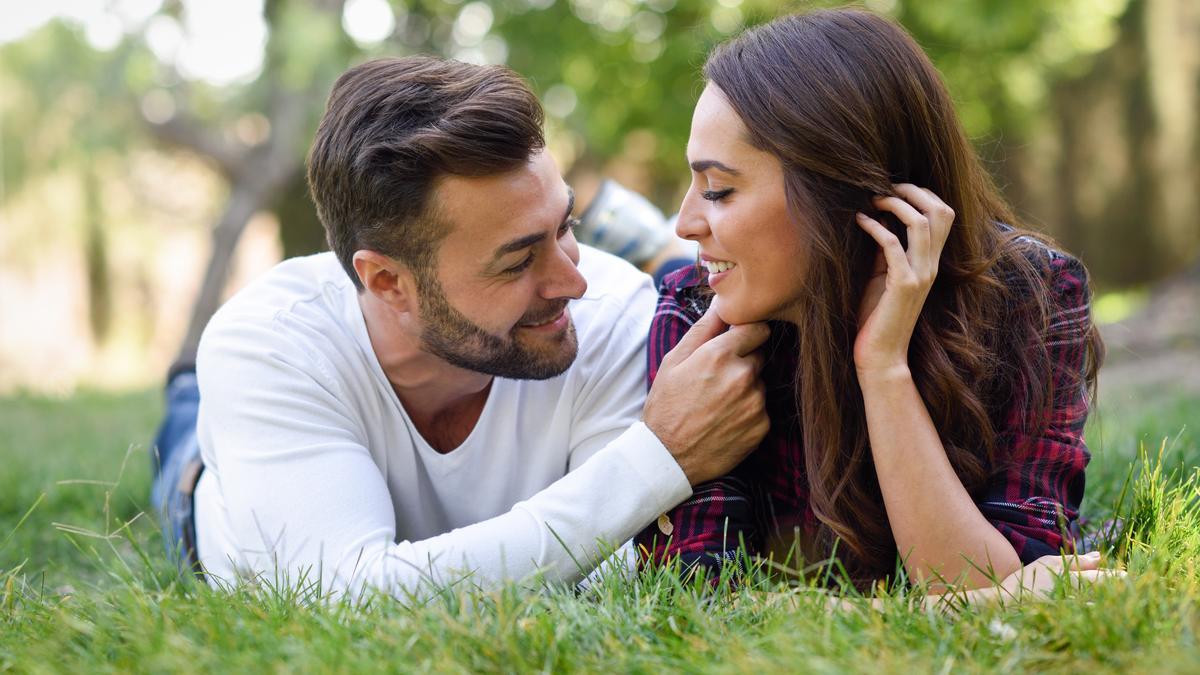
x=939, y=530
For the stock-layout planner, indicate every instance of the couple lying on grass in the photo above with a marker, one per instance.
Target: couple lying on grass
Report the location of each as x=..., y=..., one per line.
x=871, y=363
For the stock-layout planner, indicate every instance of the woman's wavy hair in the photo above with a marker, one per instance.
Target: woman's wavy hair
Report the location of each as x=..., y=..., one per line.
x=850, y=105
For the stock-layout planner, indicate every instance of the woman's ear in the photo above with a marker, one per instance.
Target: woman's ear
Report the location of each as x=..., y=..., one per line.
x=386, y=279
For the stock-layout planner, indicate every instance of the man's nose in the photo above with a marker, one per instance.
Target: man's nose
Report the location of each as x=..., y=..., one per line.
x=563, y=279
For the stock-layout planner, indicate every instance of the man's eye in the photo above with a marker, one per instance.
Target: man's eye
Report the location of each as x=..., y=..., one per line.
x=521, y=266
x=568, y=225
x=716, y=195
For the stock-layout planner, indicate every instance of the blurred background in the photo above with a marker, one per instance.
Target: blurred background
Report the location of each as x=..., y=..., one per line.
x=151, y=151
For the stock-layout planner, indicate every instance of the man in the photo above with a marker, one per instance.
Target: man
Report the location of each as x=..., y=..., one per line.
x=455, y=390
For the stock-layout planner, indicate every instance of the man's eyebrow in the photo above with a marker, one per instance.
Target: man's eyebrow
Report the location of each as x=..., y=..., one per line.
x=570, y=203
x=518, y=244
x=531, y=239
x=702, y=165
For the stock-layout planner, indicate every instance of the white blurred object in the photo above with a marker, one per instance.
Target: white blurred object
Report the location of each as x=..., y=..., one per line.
x=624, y=223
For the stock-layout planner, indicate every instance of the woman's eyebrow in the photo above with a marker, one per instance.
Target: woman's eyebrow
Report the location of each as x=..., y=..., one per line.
x=702, y=165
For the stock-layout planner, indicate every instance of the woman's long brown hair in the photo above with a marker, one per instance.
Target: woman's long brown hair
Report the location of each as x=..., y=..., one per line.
x=850, y=104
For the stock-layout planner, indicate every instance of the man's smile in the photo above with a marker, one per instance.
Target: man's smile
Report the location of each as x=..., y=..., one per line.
x=553, y=323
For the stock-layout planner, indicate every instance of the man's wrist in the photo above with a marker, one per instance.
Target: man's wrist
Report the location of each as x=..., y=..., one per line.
x=658, y=464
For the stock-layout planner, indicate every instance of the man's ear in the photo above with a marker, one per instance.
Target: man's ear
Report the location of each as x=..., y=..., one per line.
x=387, y=279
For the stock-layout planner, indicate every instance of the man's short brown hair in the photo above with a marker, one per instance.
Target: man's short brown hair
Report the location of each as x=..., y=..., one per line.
x=393, y=126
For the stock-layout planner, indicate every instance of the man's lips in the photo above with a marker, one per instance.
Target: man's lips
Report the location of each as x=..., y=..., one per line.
x=553, y=322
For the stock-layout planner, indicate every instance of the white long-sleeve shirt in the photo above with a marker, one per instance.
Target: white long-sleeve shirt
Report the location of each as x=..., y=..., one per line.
x=313, y=470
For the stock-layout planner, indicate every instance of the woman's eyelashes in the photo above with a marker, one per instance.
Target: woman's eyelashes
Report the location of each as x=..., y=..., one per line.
x=716, y=195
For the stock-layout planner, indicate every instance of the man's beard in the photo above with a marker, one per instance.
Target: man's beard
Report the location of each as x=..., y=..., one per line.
x=451, y=336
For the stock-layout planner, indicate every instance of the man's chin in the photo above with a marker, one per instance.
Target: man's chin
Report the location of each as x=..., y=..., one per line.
x=553, y=352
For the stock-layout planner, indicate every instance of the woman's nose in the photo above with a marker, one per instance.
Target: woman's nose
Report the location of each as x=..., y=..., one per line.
x=690, y=224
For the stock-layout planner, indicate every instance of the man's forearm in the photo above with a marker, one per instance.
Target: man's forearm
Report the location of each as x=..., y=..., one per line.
x=562, y=532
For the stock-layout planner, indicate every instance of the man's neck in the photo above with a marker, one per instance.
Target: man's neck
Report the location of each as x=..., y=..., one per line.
x=443, y=401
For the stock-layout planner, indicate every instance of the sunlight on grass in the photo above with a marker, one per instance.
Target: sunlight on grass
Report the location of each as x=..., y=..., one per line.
x=84, y=587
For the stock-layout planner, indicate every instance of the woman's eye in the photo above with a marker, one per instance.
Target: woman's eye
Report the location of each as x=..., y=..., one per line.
x=716, y=195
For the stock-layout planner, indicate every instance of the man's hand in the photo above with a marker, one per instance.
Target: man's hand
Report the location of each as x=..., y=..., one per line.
x=707, y=403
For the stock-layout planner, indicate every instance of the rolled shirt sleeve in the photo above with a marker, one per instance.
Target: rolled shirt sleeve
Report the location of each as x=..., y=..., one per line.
x=1034, y=496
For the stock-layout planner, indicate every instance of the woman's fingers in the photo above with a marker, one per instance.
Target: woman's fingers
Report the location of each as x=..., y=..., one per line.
x=1087, y=561
x=938, y=212
x=1106, y=574
x=917, y=225
x=927, y=220
x=897, y=263
x=1073, y=562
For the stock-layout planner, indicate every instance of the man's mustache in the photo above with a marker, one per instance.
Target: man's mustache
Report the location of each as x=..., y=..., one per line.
x=544, y=315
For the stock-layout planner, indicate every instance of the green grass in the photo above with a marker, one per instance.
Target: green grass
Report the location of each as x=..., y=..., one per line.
x=82, y=591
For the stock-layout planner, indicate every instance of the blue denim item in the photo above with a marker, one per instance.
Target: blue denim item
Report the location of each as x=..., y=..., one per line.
x=176, y=461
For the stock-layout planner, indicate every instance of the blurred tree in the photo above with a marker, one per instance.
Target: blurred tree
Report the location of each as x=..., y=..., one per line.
x=1036, y=85
x=305, y=51
x=57, y=119
x=1120, y=163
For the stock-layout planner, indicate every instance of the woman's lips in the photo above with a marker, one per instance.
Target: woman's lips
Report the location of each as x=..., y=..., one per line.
x=717, y=270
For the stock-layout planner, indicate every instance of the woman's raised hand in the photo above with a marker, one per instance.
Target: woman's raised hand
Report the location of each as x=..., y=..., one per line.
x=902, y=278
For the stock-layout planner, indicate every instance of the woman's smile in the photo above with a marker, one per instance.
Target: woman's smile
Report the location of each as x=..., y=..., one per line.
x=717, y=269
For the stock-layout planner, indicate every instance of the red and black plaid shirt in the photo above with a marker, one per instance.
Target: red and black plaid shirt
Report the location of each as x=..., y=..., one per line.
x=1031, y=502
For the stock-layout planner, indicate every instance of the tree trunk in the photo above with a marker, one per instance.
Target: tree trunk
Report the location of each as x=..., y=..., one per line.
x=300, y=229
x=96, y=257
x=244, y=202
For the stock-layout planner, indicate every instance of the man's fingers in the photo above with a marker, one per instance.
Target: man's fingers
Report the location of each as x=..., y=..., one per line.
x=744, y=339
x=757, y=360
x=709, y=326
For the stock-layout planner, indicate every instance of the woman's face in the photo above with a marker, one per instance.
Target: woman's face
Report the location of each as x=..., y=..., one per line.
x=736, y=210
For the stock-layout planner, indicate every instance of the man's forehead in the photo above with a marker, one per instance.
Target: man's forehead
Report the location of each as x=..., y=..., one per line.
x=486, y=210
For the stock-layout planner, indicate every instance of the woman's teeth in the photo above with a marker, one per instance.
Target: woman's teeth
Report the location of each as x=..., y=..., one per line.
x=715, y=266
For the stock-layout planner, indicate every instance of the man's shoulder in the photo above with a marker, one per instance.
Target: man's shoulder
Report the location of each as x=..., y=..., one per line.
x=314, y=282
x=299, y=297
x=618, y=294
x=292, y=281
x=609, y=276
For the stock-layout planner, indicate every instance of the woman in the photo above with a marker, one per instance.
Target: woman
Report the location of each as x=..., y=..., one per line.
x=931, y=362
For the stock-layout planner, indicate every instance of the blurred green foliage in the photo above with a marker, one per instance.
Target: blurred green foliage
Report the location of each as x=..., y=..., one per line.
x=618, y=77
x=607, y=68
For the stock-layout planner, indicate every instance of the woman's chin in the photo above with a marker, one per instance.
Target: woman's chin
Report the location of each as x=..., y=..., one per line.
x=732, y=313
x=736, y=314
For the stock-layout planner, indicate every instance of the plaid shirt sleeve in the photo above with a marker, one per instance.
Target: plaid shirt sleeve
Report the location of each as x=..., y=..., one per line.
x=1033, y=499
x=706, y=528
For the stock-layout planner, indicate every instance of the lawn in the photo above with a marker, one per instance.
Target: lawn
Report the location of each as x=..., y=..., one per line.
x=81, y=591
